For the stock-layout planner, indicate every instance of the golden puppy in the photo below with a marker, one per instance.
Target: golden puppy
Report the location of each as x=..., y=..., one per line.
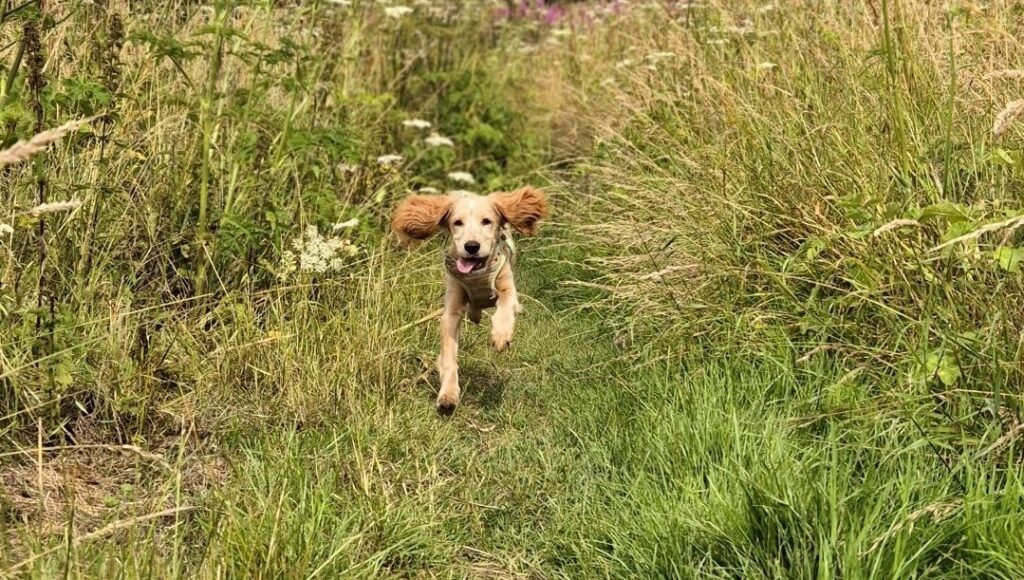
x=477, y=262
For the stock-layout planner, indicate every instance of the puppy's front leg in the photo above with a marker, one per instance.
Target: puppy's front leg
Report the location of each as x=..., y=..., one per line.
x=504, y=321
x=448, y=362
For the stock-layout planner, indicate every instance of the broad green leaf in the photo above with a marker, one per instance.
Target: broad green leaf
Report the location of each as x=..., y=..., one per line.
x=944, y=209
x=1002, y=155
x=1008, y=258
x=942, y=364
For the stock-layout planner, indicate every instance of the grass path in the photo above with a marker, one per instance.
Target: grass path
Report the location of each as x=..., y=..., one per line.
x=577, y=456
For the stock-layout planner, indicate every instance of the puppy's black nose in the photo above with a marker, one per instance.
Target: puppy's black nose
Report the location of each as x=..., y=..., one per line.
x=472, y=247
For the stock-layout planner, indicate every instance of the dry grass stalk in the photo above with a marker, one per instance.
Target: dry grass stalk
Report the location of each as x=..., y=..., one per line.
x=1005, y=74
x=1007, y=116
x=1010, y=223
x=24, y=150
x=894, y=224
x=937, y=511
x=104, y=531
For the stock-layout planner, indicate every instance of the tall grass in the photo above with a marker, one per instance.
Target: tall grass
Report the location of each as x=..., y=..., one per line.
x=825, y=176
x=219, y=134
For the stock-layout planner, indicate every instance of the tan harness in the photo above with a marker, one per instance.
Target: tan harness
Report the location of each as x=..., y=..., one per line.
x=479, y=284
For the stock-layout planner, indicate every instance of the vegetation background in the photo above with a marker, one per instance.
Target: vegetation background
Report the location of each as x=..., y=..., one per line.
x=773, y=329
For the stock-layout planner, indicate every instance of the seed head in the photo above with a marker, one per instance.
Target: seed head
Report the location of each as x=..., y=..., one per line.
x=1007, y=116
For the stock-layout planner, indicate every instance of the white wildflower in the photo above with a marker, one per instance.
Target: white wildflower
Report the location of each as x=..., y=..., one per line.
x=416, y=123
x=315, y=253
x=6, y=229
x=626, y=62
x=347, y=167
x=54, y=207
x=438, y=140
x=462, y=176
x=428, y=190
x=351, y=223
x=340, y=3
x=397, y=11
x=389, y=159
x=765, y=65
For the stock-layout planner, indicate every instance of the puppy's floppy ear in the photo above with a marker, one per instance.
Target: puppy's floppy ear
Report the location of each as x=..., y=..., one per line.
x=419, y=216
x=522, y=208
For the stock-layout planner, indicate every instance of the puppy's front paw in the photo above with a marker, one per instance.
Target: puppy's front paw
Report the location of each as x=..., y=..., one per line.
x=446, y=402
x=501, y=339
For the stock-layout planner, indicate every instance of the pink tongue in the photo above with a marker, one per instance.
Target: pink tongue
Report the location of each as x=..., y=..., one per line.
x=464, y=266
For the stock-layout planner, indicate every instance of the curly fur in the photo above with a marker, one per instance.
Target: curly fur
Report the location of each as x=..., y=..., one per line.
x=522, y=208
x=420, y=216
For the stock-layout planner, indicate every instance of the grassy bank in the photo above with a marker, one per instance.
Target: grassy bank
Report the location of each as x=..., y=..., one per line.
x=772, y=329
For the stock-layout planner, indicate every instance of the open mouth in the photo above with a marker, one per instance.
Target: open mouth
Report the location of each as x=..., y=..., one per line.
x=467, y=265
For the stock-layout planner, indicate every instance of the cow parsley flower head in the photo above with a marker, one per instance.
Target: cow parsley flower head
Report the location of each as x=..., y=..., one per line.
x=314, y=253
x=397, y=11
x=389, y=159
x=438, y=140
x=416, y=123
x=462, y=177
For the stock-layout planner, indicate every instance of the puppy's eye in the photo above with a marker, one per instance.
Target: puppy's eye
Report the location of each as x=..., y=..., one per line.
x=457, y=223
x=486, y=222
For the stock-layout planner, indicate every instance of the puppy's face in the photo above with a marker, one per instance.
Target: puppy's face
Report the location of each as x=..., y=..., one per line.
x=474, y=222
x=475, y=227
